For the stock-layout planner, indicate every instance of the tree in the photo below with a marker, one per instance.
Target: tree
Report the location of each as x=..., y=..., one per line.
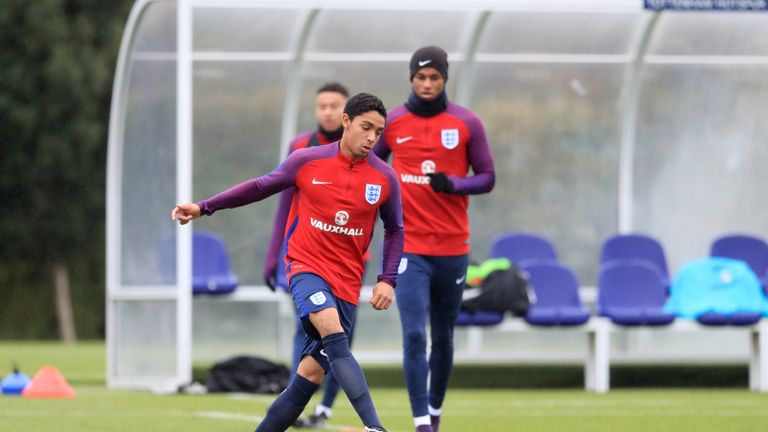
x=57, y=62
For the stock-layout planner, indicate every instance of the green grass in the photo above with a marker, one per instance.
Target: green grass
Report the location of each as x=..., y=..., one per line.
x=83, y=363
x=573, y=410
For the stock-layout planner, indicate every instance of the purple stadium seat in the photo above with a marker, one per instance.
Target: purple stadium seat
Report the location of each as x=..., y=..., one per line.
x=632, y=293
x=752, y=250
x=734, y=319
x=211, y=270
x=519, y=247
x=479, y=318
x=557, y=296
x=636, y=247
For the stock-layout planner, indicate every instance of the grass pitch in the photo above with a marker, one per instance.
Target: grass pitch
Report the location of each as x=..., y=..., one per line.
x=99, y=409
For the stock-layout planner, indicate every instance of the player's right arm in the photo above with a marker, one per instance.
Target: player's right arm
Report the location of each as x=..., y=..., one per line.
x=250, y=191
x=185, y=212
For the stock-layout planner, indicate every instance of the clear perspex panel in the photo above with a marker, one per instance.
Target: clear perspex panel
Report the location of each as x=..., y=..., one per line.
x=147, y=335
x=241, y=62
x=238, y=99
x=142, y=314
x=701, y=139
x=149, y=153
x=553, y=117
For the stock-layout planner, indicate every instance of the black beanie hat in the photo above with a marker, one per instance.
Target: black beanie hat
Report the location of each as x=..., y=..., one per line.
x=430, y=56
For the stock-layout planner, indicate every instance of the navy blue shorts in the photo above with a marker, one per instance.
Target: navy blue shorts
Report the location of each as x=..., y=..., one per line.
x=311, y=293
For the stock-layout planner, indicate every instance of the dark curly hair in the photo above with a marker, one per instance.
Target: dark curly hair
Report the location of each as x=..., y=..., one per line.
x=362, y=103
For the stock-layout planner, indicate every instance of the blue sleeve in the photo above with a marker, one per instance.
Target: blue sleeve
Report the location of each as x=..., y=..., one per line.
x=391, y=213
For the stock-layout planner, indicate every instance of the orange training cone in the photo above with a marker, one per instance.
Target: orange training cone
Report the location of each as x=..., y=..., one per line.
x=48, y=383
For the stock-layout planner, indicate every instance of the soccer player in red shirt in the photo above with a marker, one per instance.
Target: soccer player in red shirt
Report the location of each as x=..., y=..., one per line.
x=434, y=143
x=329, y=109
x=340, y=189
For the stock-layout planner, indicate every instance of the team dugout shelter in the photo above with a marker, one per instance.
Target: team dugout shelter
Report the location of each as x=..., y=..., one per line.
x=603, y=116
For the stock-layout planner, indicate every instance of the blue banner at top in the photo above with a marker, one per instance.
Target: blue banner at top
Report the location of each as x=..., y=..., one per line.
x=716, y=5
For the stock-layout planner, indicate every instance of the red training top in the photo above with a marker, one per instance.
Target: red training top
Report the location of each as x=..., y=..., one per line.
x=332, y=215
x=452, y=141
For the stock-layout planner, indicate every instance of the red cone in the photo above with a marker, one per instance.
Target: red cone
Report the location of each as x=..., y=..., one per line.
x=48, y=383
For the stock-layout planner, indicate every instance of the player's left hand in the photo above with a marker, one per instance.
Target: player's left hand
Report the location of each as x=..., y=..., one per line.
x=383, y=295
x=440, y=182
x=270, y=274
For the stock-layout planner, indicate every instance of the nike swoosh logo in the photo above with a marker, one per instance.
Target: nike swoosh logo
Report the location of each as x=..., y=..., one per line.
x=460, y=280
x=315, y=181
x=424, y=62
x=322, y=353
x=402, y=140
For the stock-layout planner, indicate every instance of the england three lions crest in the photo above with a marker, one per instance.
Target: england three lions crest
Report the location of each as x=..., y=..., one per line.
x=372, y=193
x=450, y=138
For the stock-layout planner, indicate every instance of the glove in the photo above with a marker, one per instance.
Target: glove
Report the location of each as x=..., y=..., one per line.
x=440, y=182
x=270, y=276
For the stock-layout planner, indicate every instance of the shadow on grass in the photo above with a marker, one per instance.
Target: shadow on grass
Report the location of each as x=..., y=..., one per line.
x=554, y=377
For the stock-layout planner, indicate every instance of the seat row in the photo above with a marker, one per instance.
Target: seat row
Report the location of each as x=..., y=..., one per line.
x=633, y=283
